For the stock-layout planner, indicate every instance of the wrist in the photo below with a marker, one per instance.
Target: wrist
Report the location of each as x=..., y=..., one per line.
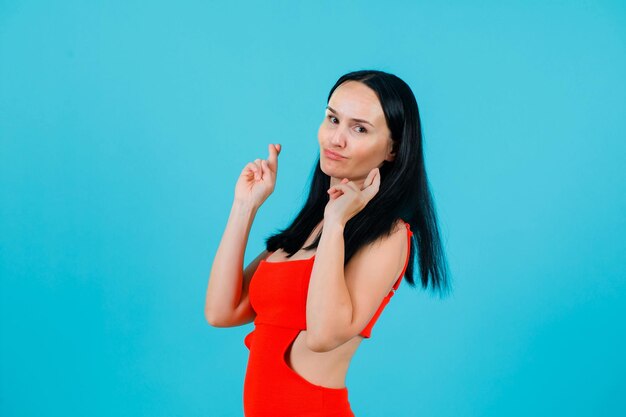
x=334, y=225
x=244, y=206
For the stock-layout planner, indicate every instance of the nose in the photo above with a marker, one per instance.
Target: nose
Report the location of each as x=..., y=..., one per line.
x=338, y=137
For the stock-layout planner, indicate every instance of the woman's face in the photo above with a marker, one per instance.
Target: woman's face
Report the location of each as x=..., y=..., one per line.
x=354, y=127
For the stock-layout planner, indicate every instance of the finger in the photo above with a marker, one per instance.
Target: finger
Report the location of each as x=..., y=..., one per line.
x=250, y=167
x=370, y=178
x=251, y=170
x=265, y=167
x=342, y=188
x=333, y=189
x=259, y=167
x=371, y=190
x=333, y=195
x=247, y=168
x=336, y=186
x=272, y=160
x=350, y=184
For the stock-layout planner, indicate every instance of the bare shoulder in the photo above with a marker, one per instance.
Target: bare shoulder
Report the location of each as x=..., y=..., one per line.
x=389, y=249
x=379, y=264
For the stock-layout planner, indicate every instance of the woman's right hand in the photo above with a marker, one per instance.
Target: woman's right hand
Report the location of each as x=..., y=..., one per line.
x=257, y=179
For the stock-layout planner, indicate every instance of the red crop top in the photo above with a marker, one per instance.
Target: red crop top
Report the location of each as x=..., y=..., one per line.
x=278, y=292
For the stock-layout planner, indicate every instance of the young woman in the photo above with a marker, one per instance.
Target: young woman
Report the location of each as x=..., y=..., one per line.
x=317, y=289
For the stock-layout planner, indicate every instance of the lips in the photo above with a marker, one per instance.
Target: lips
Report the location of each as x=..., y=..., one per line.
x=333, y=154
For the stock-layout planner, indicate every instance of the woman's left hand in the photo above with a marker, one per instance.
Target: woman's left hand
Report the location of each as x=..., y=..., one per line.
x=347, y=199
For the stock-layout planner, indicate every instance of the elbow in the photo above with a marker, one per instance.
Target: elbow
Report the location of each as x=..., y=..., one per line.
x=320, y=343
x=212, y=318
x=209, y=318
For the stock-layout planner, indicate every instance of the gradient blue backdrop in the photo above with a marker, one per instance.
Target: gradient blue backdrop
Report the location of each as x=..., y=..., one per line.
x=124, y=126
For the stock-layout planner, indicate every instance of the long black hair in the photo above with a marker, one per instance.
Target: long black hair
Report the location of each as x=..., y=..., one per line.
x=403, y=194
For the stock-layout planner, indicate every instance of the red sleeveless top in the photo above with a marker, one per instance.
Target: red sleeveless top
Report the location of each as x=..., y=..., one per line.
x=278, y=292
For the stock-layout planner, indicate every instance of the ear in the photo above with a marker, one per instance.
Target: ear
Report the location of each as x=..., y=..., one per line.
x=391, y=152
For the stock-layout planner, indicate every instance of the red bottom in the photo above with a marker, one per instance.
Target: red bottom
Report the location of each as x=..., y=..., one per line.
x=273, y=389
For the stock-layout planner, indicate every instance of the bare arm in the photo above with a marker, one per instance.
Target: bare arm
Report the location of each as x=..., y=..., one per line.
x=226, y=297
x=227, y=302
x=341, y=301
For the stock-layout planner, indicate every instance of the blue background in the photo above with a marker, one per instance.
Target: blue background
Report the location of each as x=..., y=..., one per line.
x=124, y=126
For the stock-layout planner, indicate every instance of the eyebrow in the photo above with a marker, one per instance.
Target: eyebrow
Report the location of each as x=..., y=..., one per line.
x=356, y=120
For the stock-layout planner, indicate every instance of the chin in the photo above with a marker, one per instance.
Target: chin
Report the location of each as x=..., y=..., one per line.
x=328, y=171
